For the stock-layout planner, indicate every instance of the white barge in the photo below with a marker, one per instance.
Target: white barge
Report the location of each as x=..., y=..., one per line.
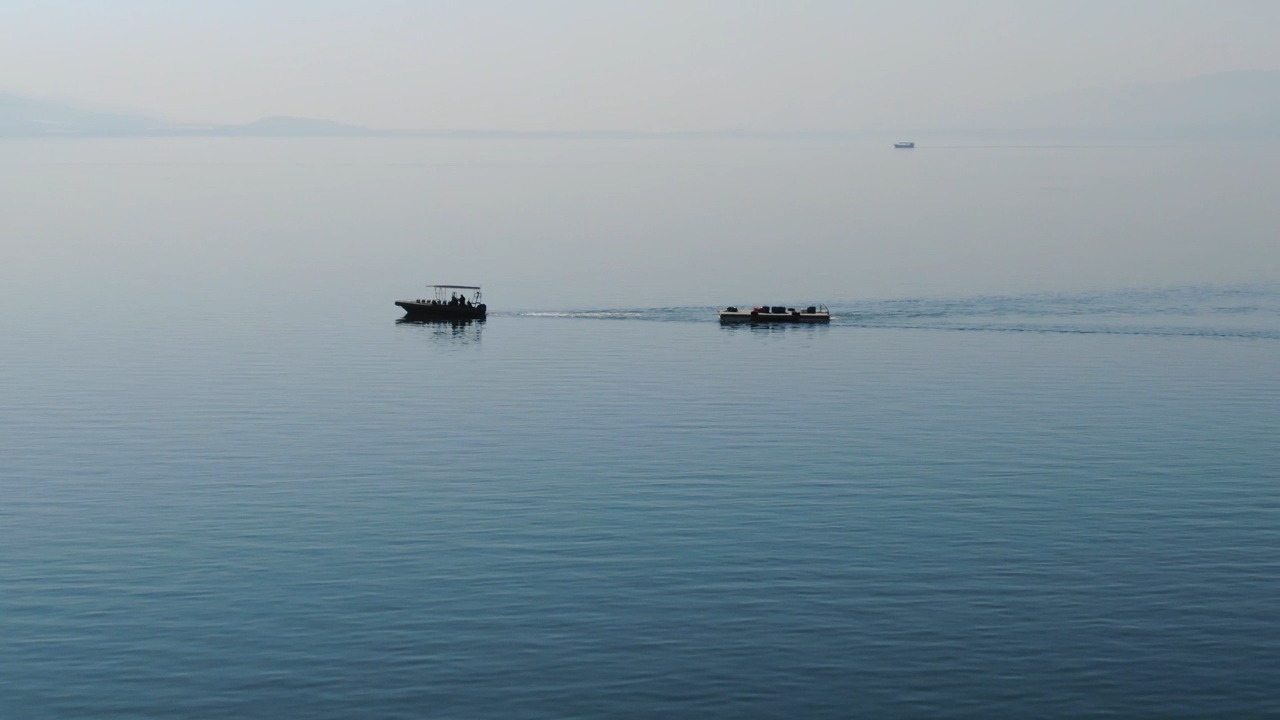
x=776, y=314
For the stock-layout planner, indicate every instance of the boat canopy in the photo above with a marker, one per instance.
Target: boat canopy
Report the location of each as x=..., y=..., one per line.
x=444, y=292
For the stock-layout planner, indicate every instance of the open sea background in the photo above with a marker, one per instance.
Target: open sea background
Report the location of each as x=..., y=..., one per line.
x=1030, y=469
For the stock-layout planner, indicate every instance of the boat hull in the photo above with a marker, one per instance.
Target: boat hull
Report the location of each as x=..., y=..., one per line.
x=418, y=310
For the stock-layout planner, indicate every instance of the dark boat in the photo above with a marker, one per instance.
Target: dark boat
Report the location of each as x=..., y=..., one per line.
x=904, y=145
x=447, y=305
x=776, y=313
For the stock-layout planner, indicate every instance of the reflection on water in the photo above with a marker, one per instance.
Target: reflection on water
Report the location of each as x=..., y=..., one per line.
x=773, y=328
x=662, y=518
x=465, y=331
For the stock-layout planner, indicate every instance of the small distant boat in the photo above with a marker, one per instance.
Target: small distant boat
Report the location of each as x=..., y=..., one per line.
x=906, y=145
x=448, y=304
x=776, y=314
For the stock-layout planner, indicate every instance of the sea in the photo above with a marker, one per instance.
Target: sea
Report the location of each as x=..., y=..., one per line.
x=1030, y=469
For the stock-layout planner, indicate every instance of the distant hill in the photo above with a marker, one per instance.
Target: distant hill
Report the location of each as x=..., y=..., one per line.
x=23, y=115
x=26, y=116
x=1245, y=103
x=1239, y=104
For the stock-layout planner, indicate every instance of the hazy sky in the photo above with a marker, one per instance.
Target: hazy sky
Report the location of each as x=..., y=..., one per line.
x=594, y=64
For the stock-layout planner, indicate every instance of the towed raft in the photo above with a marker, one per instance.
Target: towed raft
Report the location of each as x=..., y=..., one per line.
x=776, y=314
x=448, y=304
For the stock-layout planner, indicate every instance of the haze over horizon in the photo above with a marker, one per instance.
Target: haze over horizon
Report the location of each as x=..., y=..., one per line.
x=557, y=66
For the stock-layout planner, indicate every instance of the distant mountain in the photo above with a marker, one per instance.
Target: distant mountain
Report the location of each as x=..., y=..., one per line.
x=1239, y=104
x=1245, y=102
x=26, y=116
x=23, y=115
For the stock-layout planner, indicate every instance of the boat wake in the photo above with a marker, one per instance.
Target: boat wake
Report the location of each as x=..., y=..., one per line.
x=638, y=314
x=1251, y=312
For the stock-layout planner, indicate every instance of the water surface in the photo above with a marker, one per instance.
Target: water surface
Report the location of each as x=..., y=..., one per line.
x=242, y=488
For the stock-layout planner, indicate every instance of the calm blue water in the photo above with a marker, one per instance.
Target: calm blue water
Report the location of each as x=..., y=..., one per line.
x=278, y=501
